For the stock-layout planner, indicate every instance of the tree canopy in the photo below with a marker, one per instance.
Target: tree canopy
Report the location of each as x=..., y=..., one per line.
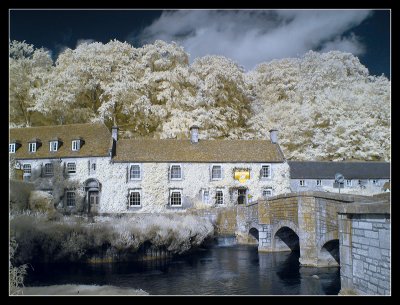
x=325, y=105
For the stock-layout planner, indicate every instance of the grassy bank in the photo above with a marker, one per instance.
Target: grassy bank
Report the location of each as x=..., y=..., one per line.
x=56, y=238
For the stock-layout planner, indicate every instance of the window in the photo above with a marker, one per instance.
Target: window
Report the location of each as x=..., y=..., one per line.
x=71, y=168
x=48, y=169
x=319, y=182
x=135, y=198
x=302, y=182
x=70, y=199
x=75, y=145
x=32, y=147
x=266, y=171
x=267, y=192
x=134, y=172
x=53, y=145
x=206, y=196
x=219, y=197
x=216, y=172
x=176, y=172
x=175, y=198
x=11, y=148
x=92, y=166
x=349, y=182
x=27, y=169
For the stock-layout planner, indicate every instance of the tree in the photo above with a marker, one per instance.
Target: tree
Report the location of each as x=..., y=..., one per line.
x=28, y=70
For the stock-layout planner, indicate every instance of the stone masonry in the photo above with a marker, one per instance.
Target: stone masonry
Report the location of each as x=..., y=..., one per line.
x=365, y=248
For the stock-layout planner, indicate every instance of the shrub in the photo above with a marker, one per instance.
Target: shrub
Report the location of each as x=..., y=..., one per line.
x=16, y=274
x=73, y=238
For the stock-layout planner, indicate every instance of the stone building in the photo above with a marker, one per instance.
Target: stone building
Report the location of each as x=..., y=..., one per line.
x=111, y=175
x=362, y=178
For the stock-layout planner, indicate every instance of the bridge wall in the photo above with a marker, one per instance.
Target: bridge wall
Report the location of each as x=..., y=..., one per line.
x=365, y=248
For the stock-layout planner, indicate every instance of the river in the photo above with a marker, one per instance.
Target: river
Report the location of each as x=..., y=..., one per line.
x=223, y=269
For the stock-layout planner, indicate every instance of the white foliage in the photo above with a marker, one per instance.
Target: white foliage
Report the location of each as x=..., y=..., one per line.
x=325, y=105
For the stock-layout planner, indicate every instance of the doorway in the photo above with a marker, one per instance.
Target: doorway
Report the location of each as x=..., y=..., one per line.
x=242, y=196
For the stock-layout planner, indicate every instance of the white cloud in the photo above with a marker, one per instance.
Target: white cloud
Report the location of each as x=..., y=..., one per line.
x=80, y=41
x=253, y=36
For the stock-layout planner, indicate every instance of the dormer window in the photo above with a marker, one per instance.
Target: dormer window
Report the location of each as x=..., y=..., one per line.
x=77, y=144
x=53, y=145
x=11, y=148
x=32, y=147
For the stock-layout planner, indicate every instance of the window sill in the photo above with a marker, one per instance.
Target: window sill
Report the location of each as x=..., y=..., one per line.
x=134, y=207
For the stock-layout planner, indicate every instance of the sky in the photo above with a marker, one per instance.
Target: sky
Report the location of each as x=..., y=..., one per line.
x=249, y=37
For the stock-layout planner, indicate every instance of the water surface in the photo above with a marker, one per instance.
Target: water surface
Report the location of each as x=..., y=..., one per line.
x=224, y=269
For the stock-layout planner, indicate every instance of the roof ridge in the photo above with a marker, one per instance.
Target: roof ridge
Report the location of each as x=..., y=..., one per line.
x=74, y=124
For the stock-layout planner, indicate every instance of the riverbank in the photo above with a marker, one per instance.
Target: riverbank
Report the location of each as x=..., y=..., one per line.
x=70, y=289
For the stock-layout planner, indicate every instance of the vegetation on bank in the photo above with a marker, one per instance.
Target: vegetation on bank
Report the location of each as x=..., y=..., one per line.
x=56, y=238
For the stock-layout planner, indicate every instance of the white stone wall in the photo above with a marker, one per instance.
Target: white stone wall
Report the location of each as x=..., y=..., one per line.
x=155, y=185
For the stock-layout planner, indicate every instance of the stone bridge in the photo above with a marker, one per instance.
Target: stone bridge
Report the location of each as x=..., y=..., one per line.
x=306, y=222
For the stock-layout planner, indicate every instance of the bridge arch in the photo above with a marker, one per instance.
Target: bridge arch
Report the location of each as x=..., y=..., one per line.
x=285, y=236
x=329, y=254
x=253, y=234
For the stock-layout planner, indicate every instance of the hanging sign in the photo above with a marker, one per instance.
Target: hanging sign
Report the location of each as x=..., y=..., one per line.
x=242, y=175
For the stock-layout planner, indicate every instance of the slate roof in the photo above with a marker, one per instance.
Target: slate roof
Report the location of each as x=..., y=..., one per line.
x=210, y=151
x=328, y=169
x=97, y=140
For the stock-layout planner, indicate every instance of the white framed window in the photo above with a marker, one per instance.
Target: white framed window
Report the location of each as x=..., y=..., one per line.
x=175, y=172
x=71, y=168
x=71, y=198
x=11, y=148
x=53, y=145
x=267, y=192
x=92, y=167
x=302, y=182
x=135, y=172
x=265, y=171
x=349, y=182
x=219, y=197
x=27, y=169
x=175, y=197
x=206, y=196
x=216, y=172
x=48, y=169
x=135, y=198
x=32, y=147
x=75, y=145
x=319, y=182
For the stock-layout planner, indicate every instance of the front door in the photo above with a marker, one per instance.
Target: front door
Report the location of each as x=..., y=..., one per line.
x=93, y=201
x=242, y=196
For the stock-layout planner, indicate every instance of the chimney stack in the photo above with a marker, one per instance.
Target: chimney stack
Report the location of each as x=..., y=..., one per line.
x=273, y=133
x=114, y=133
x=194, y=134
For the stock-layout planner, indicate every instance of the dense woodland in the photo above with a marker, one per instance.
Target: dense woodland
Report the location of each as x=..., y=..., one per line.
x=326, y=106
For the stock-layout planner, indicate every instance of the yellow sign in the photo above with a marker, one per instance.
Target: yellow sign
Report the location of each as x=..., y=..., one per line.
x=242, y=176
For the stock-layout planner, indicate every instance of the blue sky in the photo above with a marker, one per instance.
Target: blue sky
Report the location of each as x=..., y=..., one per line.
x=247, y=36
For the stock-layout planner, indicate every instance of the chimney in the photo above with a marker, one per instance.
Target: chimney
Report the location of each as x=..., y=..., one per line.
x=114, y=133
x=273, y=133
x=194, y=134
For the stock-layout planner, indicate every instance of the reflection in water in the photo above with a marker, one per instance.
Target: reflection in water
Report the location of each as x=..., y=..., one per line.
x=220, y=270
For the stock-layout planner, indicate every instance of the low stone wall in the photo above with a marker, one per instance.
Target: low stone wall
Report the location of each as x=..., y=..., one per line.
x=224, y=219
x=364, y=236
